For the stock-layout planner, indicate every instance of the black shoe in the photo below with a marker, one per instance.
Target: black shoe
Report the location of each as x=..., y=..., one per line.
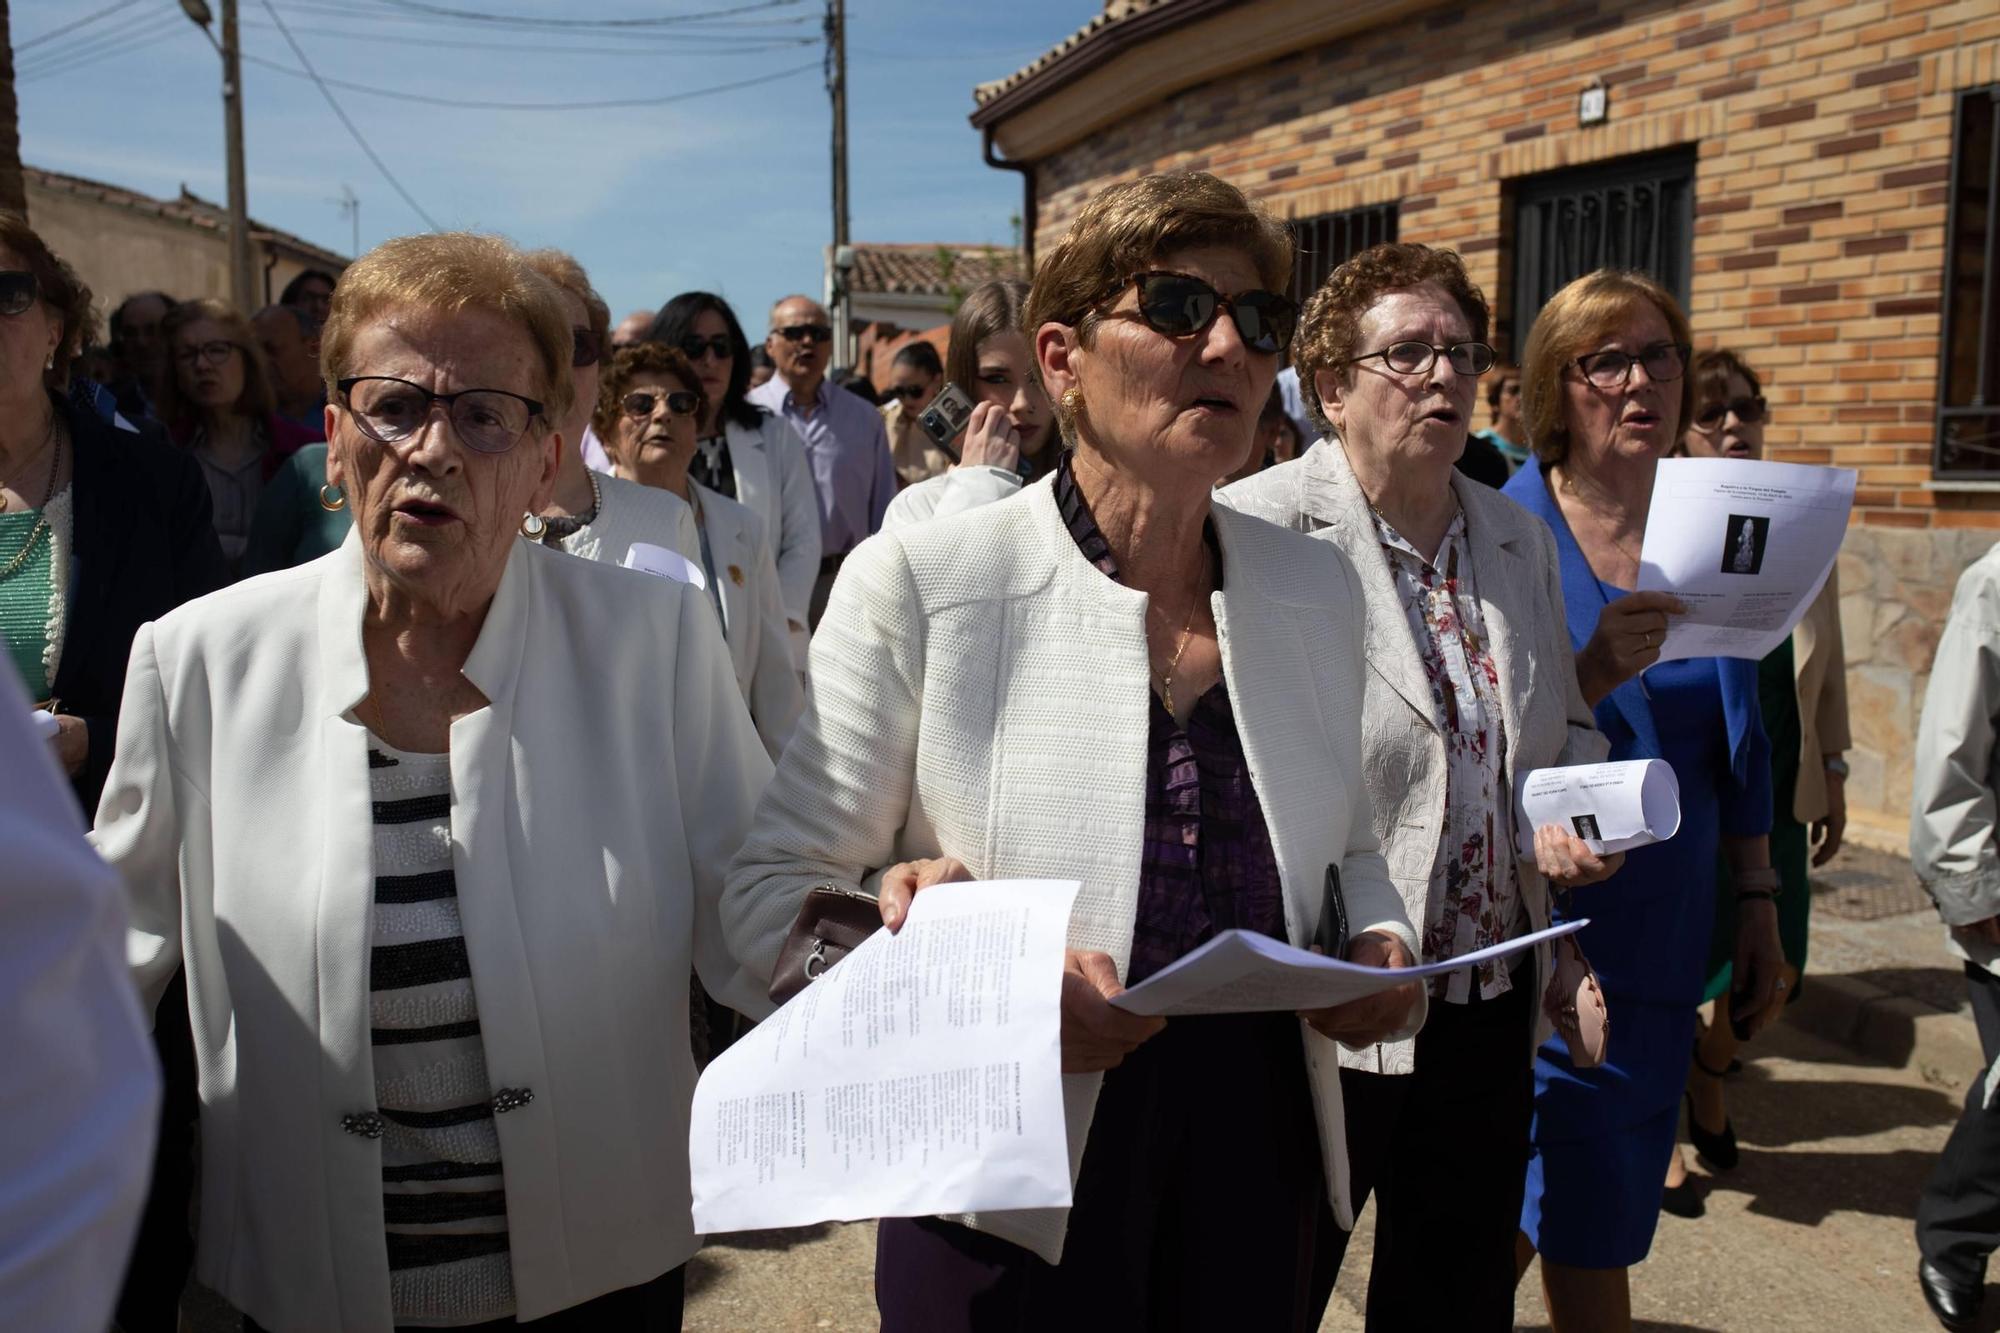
x=1718, y=1150
x=1683, y=1200
x=1956, y=1307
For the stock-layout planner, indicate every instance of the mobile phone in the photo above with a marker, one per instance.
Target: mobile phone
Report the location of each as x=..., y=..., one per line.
x=946, y=417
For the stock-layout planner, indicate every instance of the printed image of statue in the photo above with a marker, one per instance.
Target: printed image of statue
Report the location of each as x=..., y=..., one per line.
x=1743, y=543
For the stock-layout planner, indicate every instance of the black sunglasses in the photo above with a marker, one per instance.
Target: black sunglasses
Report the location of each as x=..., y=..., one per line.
x=799, y=333
x=906, y=391
x=1749, y=411
x=1181, y=305
x=584, y=350
x=18, y=290
x=640, y=403
x=692, y=347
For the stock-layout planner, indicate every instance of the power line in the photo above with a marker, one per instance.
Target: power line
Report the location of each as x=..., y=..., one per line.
x=756, y=45
x=755, y=30
x=104, y=46
x=402, y=95
x=352, y=128
x=521, y=20
x=86, y=20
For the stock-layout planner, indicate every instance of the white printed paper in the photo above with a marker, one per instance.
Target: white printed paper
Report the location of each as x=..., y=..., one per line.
x=922, y=1074
x=43, y=723
x=1244, y=972
x=1746, y=545
x=1612, y=807
x=650, y=559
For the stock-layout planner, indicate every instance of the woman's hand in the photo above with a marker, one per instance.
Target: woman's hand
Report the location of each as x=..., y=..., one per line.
x=1828, y=832
x=1567, y=862
x=1755, y=1001
x=990, y=439
x=72, y=743
x=1365, y=1021
x=1096, y=1035
x=900, y=884
x=1627, y=641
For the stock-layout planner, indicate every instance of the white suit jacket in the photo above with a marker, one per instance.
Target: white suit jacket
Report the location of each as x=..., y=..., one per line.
x=774, y=478
x=588, y=840
x=753, y=616
x=980, y=690
x=1542, y=710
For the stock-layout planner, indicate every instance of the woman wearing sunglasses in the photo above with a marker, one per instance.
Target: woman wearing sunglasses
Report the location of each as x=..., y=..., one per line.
x=1802, y=688
x=1105, y=678
x=1604, y=391
x=747, y=453
x=438, y=823
x=916, y=373
x=1470, y=684
x=646, y=414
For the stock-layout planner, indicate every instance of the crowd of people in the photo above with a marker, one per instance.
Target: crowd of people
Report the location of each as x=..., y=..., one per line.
x=447, y=830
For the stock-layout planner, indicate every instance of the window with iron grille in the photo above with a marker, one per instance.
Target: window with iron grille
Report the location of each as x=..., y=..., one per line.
x=1634, y=212
x=1968, y=428
x=1331, y=239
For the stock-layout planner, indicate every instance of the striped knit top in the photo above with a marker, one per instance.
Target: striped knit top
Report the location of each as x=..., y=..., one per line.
x=444, y=1206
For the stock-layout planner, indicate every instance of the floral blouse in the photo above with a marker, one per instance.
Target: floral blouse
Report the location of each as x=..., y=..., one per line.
x=1475, y=897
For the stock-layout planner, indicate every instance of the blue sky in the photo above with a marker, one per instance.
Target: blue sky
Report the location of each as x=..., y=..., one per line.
x=728, y=191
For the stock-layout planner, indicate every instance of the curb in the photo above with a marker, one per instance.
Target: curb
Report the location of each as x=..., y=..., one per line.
x=1891, y=1029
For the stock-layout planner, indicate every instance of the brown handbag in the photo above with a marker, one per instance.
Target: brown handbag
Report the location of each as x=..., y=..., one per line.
x=832, y=923
x=1574, y=1002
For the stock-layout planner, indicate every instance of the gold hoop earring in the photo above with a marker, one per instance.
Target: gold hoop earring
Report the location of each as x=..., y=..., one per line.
x=331, y=499
x=533, y=526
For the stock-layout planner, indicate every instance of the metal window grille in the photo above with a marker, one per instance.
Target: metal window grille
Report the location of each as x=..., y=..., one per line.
x=1635, y=213
x=1331, y=239
x=1968, y=426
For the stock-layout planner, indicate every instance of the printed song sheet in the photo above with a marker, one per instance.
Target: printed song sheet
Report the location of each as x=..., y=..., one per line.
x=650, y=559
x=1612, y=807
x=1243, y=972
x=1746, y=545
x=922, y=1074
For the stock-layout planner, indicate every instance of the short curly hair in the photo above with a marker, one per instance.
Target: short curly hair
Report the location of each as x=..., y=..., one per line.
x=630, y=363
x=60, y=290
x=1330, y=326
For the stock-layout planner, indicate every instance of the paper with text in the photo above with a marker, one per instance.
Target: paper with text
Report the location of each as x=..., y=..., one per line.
x=1746, y=544
x=1243, y=972
x=650, y=559
x=922, y=1074
x=1612, y=807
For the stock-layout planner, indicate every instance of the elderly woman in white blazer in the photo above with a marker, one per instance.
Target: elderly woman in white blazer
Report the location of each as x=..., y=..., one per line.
x=1470, y=686
x=438, y=903
x=1101, y=678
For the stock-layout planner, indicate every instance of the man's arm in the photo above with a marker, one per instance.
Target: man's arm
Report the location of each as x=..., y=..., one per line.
x=1952, y=805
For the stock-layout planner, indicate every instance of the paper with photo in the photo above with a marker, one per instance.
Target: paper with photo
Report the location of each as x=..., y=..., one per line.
x=1746, y=544
x=922, y=1074
x=650, y=559
x=1612, y=807
x=1244, y=972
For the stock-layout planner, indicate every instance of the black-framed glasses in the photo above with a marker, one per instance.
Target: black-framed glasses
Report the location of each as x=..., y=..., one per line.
x=799, y=333
x=694, y=347
x=909, y=393
x=585, y=349
x=215, y=353
x=641, y=402
x=1610, y=370
x=1181, y=305
x=18, y=290
x=390, y=411
x=1749, y=411
x=1415, y=357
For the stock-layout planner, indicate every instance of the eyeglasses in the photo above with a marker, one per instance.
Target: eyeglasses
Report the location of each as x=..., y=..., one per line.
x=18, y=290
x=584, y=350
x=906, y=392
x=215, y=353
x=1180, y=305
x=1610, y=370
x=694, y=348
x=640, y=403
x=1416, y=358
x=799, y=333
x=1749, y=411
x=390, y=411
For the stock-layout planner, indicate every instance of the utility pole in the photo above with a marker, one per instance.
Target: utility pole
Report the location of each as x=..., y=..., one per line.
x=836, y=86
x=242, y=278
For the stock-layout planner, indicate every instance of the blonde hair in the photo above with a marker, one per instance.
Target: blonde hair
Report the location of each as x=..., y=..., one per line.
x=448, y=273
x=562, y=269
x=256, y=399
x=1575, y=320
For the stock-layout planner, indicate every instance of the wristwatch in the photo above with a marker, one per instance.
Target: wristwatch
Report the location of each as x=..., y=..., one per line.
x=1836, y=766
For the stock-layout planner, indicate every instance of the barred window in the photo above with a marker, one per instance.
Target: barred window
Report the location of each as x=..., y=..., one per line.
x=1968, y=429
x=1331, y=239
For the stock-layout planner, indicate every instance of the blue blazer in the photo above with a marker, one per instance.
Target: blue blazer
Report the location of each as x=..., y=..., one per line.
x=1626, y=716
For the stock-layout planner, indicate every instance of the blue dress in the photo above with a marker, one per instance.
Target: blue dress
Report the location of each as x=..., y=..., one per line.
x=1602, y=1137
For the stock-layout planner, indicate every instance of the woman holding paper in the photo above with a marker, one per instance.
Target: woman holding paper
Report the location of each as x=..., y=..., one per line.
x=439, y=904
x=1105, y=678
x=1470, y=686
x=1604, y=392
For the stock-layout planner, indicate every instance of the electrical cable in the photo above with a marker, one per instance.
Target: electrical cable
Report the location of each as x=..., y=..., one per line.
x=547, y=49
x=402, y=95
x=522, y=20
x=86, y=20
x=757, y=30
x=103, y=46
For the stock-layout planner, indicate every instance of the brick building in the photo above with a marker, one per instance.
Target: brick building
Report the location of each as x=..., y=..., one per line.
x=1794, y=170
x=897, y=294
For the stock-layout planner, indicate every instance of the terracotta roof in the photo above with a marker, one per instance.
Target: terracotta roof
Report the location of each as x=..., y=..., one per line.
x=1092, y=44
x=190, y=208
x=920, y=269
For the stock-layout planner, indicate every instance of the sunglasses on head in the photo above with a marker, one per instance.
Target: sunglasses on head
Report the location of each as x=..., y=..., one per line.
x=18, y=290
x=693, y=347
x=799, y=333
x=1181, y=305
x=1749, y=411
x=640, y=403
x=585, y=350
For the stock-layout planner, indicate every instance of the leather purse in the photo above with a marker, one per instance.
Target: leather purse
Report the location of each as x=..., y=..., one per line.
x=831, y=924
x=1574, y=1002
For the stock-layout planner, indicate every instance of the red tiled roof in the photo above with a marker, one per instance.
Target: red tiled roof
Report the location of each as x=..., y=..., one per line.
x=1096, y=41
x=190, y=209
x=921, y=269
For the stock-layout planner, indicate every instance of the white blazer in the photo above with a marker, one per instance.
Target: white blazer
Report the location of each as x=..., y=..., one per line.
x=588, y=839
x=949, y=493
x=753, y=616
x=774, y=478
x=980, y=690
x=1542, y=710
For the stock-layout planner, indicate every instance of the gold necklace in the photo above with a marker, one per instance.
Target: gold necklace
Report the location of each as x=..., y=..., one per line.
x=47, y=436
x=41, y=520
x=1167, y=676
